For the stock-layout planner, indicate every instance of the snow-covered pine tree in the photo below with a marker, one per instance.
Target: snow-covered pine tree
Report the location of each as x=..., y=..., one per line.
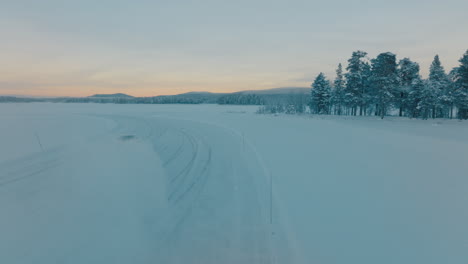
x=320, y=95
x=441, y=86
x=461, y=86
x=356, y=79
x=367, y=96
x=415, y=96
x=338, y=91
x=384, y=81
x=427, y=100
x=408, y=73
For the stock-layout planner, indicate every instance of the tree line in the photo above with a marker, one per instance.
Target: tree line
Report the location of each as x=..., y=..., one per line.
x=383, y=85
x=240, y=99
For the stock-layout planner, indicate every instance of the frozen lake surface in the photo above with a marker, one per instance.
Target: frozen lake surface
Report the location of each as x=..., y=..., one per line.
x=93, y=183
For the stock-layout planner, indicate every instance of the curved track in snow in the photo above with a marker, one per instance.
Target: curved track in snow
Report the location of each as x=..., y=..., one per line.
x=217, y=198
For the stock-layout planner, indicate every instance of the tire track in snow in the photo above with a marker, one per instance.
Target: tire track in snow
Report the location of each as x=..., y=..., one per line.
x=283, y=243
x=186, y=165
x=195, y=197
x=175, y=154
x=179, y=179
x=29, y=166
x=198, y=179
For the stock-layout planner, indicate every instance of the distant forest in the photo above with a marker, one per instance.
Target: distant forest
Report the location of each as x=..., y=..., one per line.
x=238, y=98
x=109, y=99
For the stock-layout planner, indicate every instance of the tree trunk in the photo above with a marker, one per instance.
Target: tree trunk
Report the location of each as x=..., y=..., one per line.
x=401, y=104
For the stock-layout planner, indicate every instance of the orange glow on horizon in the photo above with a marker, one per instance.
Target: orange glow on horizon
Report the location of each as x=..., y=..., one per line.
x=137, y=92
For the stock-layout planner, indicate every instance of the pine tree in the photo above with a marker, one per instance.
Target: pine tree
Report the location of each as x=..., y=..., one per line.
x=427, y=100
x=461, y=86
x=408, y=73
x=338, y=91
x=320, y=95
x=384, y=81
x=440, y=85
x=367, y=97
x=415, y=96
x=356, y=79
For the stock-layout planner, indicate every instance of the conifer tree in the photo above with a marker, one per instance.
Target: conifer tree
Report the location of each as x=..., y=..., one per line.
x=440, y=86
x=408, y=73
x=461, y=86
x=356, y=79
x=384, y=81
x=415, y=96
x=320, y=95
x=338, y=91
x=427, y=101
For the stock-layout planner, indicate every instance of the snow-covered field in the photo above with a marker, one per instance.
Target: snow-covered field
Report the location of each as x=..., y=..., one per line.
x=91, y=183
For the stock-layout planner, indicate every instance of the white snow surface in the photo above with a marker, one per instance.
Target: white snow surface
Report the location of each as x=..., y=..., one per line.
x=94, y=183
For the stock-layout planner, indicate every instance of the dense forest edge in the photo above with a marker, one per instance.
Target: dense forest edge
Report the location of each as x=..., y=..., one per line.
x=384, y=86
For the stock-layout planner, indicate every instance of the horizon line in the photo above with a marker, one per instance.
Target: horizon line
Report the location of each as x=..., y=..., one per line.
x=195, y=91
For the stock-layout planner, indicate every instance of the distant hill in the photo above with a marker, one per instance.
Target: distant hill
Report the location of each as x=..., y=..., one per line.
x=281, y=90
x=250, y=97
x=200, y=94
x=116, y=95
x=202, y=97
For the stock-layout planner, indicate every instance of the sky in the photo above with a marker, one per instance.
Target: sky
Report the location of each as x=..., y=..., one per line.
x=148, y=48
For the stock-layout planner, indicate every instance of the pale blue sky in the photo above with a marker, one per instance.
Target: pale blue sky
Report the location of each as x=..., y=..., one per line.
x=164, y=47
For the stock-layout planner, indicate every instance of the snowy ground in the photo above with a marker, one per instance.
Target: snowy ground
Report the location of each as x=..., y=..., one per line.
x=91, y=183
